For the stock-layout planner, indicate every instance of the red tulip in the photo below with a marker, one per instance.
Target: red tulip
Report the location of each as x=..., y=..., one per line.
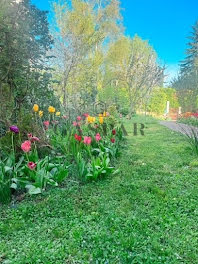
x=113, y=140
x=77, y=137
x=114, y=132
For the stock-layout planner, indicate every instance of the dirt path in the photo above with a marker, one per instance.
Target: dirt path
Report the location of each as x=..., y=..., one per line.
x=181, y=128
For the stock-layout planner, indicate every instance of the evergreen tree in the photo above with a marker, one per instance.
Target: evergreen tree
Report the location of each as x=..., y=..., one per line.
x=191, y=61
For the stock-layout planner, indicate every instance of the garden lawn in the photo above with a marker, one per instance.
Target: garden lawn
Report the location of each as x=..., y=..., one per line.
x=148, y=213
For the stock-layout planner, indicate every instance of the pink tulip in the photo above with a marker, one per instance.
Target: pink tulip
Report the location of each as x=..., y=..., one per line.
x=33, y=139
x=75, y=123
x=31, y=165
x=26, y=146
x=29, y=136
x=46, y=124
x=87, y=140
x=78, y=118
x=98, y=137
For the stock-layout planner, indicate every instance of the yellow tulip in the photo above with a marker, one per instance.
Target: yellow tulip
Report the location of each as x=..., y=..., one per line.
x=104, y=114
x=101, y=120
x=58, y=113
x=100, y=115
x=35, y=108
x=91, y=119
x=40, y=113
x=51, y=109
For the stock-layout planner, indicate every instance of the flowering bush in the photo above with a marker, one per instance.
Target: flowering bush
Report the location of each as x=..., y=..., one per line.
x=85, y=148
x=189, y=118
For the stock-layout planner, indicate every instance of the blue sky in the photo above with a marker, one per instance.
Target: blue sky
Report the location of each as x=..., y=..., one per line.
x=164, y=23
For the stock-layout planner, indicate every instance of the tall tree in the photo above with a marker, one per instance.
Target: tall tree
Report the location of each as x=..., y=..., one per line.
x=24, y=41
x=190, y=64
x=187, y=82
x=83, y=28
x=132, y=65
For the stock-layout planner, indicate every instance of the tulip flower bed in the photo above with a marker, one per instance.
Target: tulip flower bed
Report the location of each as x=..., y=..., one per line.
x=85, y=148
x=189, y=119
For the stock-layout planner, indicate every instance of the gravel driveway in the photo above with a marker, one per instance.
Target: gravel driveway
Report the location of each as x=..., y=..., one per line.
x=181, y=128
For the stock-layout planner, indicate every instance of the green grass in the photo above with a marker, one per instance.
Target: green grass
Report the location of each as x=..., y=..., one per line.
x=146, y=214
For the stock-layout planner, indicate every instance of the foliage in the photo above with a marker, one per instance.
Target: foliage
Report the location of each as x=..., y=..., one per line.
x=187, y=82
x=132, y=71
x=146, y=213
x=192, y=135
x=189, y=120
x=158, y=98
x=158, y=101
x=89, y=144
x=24, y=64
x=83, y=29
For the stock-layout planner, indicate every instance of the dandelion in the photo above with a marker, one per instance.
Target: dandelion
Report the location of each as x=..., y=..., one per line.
x=35, y=108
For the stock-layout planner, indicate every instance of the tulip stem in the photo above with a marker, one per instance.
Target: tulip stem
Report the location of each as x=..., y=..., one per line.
x=13, y=149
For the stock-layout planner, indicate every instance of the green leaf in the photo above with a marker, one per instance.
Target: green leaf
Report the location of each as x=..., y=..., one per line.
x=13, y=186
x=33, y=190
